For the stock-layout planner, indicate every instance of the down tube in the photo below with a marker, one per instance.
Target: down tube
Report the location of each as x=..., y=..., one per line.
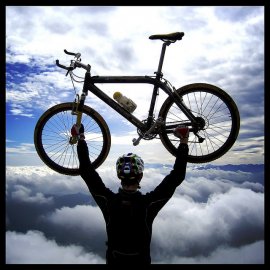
x=109, y=101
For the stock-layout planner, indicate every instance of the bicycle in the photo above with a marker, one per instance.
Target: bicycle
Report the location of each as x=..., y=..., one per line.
x=210, y=113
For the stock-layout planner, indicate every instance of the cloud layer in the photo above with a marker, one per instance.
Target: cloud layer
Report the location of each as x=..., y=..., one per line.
x=214, y=215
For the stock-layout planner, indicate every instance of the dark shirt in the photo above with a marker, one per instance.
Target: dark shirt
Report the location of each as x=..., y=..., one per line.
x=129, y=215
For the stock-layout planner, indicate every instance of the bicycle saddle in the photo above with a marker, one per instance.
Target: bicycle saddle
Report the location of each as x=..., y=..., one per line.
x=171, y=37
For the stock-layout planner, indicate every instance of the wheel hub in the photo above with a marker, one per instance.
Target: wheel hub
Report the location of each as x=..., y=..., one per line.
x=202, y=122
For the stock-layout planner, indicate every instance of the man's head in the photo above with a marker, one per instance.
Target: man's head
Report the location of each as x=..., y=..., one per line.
x=130, y=171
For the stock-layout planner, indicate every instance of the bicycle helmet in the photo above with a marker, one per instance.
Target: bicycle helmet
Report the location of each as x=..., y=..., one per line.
x=130, y=167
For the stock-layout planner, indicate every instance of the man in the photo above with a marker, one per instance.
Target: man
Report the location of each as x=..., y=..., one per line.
x=129, y=214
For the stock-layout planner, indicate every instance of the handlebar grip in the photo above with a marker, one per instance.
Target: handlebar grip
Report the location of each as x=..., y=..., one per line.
x=70, y=53
x=77, y=55
x=61, y=66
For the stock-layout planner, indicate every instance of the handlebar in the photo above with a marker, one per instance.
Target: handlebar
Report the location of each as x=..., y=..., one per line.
x=62, y=66
x=77, y=55
x=74, y=63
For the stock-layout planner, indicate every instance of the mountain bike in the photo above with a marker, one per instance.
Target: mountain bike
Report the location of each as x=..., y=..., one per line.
x=208, y=111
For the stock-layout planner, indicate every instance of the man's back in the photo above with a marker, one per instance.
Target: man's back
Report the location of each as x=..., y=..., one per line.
x=129, y=227
x=129, y=215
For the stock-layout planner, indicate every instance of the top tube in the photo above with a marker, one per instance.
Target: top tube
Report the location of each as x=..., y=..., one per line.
x=129, y=79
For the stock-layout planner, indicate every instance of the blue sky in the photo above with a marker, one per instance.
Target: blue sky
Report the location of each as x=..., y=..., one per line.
x=223, y=46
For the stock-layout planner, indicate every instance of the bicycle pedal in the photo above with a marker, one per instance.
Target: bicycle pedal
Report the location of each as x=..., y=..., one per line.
x=136, y=141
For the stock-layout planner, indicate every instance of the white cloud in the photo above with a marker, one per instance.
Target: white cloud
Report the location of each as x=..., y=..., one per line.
x=71, y=218
x=213, y=212
x=39, y=177
x=41, y=250
x=23, y=194
x=197, y=229
x=248, y=254
x=146, y=52
x=27, y=148
x=39, y=91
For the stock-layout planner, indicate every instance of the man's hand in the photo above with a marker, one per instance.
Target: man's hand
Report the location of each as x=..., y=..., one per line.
x=182, y=132
x=78, y=132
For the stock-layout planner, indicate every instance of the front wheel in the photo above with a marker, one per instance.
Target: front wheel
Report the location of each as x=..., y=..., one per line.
x=52, y=134
x=217, y=113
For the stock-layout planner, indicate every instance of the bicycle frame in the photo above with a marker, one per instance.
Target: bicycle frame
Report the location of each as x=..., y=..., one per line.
x=90, y=81
x=89, y=85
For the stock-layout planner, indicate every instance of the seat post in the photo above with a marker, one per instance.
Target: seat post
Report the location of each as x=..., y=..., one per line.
x=161, y=59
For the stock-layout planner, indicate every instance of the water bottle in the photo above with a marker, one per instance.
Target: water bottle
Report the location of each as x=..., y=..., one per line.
x=125, y=102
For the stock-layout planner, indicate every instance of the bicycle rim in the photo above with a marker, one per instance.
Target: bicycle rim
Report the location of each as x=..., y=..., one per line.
x=52, y=134
x=218, y=112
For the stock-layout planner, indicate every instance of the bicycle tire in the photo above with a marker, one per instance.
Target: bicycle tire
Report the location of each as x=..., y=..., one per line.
x=214, y=146
x=52, y=133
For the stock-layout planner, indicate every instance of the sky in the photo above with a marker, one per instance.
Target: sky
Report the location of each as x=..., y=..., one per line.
x=217, y=214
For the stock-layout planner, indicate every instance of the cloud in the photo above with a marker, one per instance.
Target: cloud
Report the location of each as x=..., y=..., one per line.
x=23, y=194
x=70, y=218
x=27, y=148
x=37, y=91
x=190, y=229
x=249, y=254
x=37, y=178
x=83, y=224
x=213, y=212
x=237, y=13
x=41, y=250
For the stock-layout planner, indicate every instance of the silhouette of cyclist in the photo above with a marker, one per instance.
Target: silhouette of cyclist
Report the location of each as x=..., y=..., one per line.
x=129, y=214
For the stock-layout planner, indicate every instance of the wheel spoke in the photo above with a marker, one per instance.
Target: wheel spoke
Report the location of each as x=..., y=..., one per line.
x=217, y=113
x=53, y=135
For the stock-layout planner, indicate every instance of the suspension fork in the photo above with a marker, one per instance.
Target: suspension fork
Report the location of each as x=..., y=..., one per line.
x=77, y=109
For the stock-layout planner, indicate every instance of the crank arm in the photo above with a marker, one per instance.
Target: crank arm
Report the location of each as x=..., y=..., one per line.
x=156, y=124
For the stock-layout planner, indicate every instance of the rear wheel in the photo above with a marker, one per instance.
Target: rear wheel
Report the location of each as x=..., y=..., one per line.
x=217, y=114
x=52, y=134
